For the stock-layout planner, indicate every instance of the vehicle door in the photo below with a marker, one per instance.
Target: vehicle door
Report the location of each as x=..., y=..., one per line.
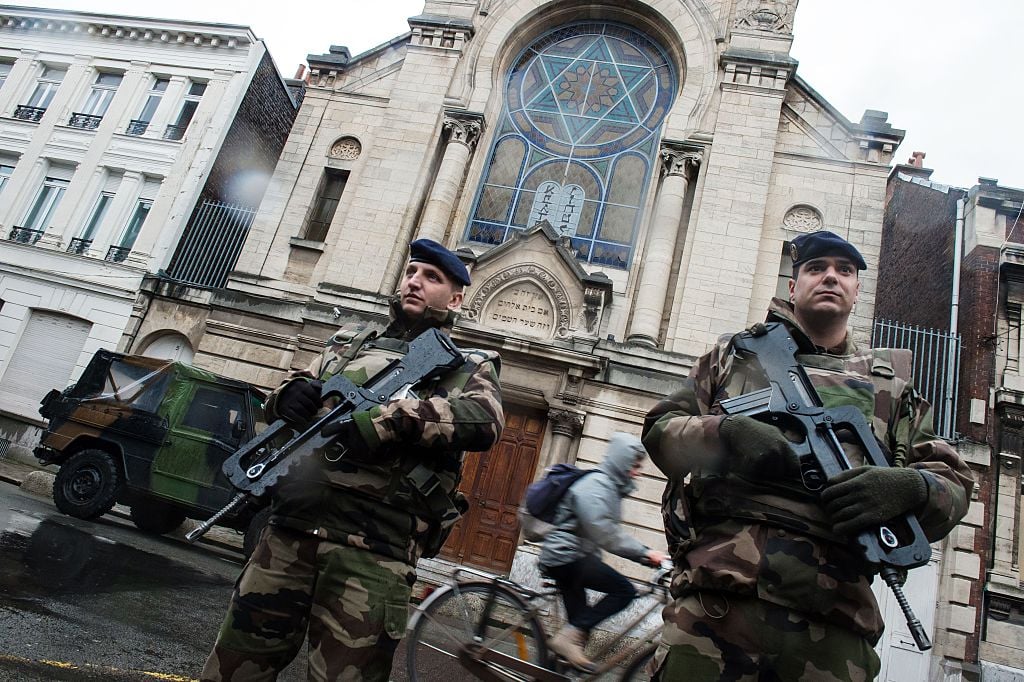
x=205, y=430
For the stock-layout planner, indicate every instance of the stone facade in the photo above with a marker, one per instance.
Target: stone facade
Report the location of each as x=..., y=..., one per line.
x=594, y=319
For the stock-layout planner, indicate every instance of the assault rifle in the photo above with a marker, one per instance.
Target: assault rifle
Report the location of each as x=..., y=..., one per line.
x=791, y=401
x=257, y=467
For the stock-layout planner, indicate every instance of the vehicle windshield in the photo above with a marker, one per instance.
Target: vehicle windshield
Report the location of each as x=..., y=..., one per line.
x=138, y=385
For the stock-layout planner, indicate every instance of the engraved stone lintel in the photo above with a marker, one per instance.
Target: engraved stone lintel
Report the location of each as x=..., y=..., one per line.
x=514, y=312
x=463, y=129
x=566, y=423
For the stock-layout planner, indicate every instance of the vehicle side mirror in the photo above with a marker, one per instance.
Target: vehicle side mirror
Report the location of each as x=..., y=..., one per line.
x=238, y=429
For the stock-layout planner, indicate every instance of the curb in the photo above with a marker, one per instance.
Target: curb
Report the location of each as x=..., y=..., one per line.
x=40, y=483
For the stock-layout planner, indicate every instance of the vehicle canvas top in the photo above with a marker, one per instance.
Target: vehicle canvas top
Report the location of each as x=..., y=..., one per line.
x=125, y=394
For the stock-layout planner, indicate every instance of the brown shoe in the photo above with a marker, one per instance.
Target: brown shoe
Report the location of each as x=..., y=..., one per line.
x=568, y=644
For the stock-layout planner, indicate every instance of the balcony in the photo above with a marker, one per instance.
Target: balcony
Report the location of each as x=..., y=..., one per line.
x=118, y=254
x=23, y=235
x=85, y=121
x=137, y=127
x=27, y=113
x=174, y=132
x=79, y=245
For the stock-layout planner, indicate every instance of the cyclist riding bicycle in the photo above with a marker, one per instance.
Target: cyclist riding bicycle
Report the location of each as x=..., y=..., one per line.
x=588, y=519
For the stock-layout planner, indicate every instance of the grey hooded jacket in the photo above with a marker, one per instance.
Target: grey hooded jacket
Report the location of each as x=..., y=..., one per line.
x=588, y=517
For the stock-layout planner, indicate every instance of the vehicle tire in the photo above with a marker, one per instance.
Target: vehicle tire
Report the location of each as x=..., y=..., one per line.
x=455, y=615
x=87, y=484
x=637, y=670
x=254, y=530
x=153, y=516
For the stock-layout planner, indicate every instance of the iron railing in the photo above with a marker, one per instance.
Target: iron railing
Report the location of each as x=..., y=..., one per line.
x=79, y=245
x=87, y=121
x=137, y=127
x=211, y=244
x=117, y=254
x=23, y=235
x=936, y=366
x=174, y=132
x=27, y=113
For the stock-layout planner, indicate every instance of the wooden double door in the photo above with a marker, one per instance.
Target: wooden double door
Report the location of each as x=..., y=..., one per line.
x=494, y=481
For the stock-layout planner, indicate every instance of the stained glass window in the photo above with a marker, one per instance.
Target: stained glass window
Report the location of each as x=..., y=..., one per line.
x=577, y=140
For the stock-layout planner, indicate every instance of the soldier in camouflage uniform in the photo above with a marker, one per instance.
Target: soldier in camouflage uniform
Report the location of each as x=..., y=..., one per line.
x=769, y=583
x=338, y=557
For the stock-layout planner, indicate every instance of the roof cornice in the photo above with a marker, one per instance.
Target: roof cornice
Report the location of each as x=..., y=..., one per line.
x=125, y=28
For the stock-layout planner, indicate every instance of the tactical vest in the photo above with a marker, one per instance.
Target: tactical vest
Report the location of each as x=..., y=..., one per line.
x=711, y=496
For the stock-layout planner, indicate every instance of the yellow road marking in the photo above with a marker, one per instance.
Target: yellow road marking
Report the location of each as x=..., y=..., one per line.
x=64, y=665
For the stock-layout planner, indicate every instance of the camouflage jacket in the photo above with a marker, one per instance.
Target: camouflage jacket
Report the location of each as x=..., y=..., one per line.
x=772, y=540
x=376, y=499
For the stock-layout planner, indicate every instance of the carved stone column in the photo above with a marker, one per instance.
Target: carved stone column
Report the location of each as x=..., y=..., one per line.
x=566, y=426
x=463, y=131
x=679, y=167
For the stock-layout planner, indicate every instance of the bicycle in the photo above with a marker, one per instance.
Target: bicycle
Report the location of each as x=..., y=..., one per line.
x=494, y=627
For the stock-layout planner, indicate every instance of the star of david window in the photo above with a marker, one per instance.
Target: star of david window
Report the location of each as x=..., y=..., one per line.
x=577, y=141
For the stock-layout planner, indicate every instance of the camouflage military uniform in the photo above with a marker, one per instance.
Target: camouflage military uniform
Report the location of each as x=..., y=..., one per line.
x=340, y=551
x=761, y=580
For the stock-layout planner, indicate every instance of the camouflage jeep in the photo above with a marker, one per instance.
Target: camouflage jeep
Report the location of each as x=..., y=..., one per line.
x=151, y=434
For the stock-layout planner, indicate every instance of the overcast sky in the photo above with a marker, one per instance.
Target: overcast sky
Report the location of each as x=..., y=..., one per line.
x=945, y=70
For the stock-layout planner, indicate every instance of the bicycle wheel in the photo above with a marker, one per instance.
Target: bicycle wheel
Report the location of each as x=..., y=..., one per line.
x=472, y=612
x=637, y=670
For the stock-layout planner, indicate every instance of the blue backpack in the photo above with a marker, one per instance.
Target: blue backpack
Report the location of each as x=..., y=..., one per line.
x=537, y=512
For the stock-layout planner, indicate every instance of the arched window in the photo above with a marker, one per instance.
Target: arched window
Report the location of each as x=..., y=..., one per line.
x=577, y=140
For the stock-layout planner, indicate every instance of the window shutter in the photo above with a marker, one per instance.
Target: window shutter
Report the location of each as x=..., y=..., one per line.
x=44, y=359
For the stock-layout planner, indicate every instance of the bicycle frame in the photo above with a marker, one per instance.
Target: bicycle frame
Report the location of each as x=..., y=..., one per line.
x=474, y=656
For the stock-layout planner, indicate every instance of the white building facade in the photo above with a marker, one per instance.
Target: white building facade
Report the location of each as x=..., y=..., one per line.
x=109, y=127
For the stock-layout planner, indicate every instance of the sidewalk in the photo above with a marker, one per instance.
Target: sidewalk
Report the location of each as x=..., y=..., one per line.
x=38, y=480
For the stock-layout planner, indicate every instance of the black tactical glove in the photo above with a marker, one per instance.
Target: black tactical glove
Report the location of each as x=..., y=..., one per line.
x=757, y=450
x=299, y=401
x=347, y=443
x=868, y=496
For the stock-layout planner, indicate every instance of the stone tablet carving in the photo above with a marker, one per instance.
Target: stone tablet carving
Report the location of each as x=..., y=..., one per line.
x=802, y=219
x=347, y=148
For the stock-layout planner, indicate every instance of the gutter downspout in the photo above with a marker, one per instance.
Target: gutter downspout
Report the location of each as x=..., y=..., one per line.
x=954, y=314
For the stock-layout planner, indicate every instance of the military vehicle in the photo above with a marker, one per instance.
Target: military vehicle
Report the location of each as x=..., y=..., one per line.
x=150, y=434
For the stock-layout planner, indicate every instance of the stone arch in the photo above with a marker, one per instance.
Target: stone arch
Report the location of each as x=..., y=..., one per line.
x=167, y=344
x=686, y=29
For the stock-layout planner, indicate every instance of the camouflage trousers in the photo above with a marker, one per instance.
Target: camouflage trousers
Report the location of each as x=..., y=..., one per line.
x=713, y=637
x=353, y=603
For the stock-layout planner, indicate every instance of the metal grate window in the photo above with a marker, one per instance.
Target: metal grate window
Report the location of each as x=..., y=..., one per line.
x=936, y=366
x=211, y=244
x=5, y=448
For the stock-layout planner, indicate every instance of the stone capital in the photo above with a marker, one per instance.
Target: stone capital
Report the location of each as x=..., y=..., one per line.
x=566, y=423
x=684, y=162
x=463, y=129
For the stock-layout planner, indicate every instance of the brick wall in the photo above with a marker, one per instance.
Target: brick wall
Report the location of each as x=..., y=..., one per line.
x=253, y=144
x=915, y=269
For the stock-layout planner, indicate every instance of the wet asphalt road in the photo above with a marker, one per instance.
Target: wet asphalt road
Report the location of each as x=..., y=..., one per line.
x=100, y=600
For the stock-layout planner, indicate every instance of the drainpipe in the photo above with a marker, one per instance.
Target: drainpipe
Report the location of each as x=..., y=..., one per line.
x=954, y=310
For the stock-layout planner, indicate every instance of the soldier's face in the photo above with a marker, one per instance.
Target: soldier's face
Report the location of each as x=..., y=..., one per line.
x=425, y=285
x=825, y=287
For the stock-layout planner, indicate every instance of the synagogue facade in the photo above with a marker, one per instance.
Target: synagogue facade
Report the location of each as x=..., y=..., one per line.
x=622, y=179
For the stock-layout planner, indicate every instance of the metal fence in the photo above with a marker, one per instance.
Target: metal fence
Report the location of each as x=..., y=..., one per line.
x=211, y=244
x=936, y=366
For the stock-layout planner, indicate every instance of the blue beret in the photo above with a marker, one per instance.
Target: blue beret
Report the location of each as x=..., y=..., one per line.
x=823, y=243
x=429, y=251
